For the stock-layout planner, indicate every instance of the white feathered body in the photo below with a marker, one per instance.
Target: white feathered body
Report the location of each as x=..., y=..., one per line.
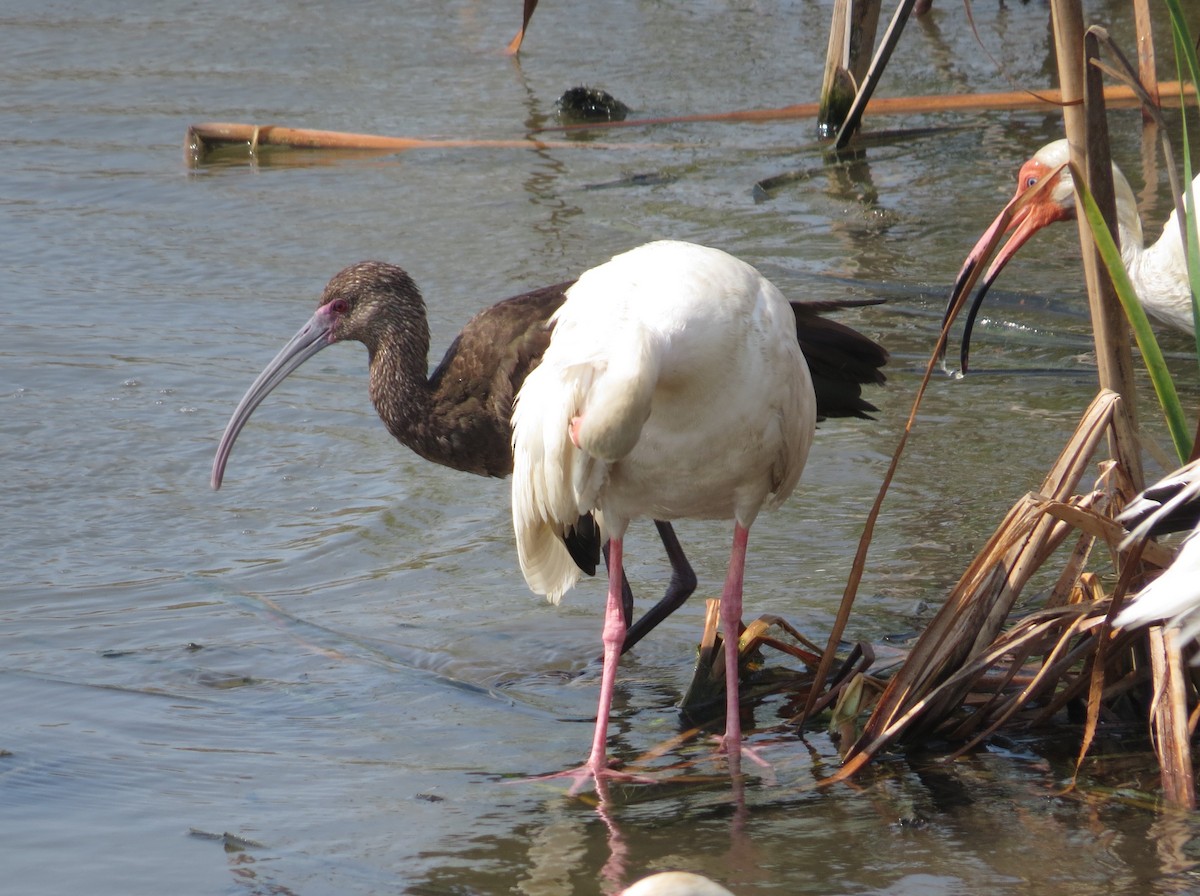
x=1174, y=597
x=1160, y=271
x=694, y=400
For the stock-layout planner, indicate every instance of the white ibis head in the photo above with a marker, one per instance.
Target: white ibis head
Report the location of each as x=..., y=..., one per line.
x=1045, y=194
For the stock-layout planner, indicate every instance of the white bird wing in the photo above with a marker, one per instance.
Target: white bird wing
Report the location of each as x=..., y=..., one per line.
x=1163, y=276
x=692, y=395
x=543, y=493
x=1174, y=596
x=797, y=405
x=1158, y=501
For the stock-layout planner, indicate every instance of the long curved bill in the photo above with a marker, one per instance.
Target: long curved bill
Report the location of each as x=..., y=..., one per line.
x=1025, y=214
x=310, y=339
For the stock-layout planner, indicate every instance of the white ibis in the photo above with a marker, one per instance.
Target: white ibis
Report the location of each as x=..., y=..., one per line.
x=1170, y=505
x=458, y=416
x=1158, y=272
x=676, y=883
x=673, y=387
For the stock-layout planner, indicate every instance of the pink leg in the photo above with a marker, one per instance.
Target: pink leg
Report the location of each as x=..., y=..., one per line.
x=731, y=617
x=596, y=768
x=613, y=637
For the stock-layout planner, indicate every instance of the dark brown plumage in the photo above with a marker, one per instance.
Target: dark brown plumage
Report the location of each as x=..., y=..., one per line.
x=840, y=359
x=458, y=416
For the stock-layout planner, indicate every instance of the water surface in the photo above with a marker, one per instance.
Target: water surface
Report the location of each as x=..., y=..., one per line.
x=334, y=660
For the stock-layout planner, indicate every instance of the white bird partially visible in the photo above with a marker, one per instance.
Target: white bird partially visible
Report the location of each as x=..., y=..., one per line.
x=676, y=883
x=1170, y=505
x=672, y=387
x=1158, y=272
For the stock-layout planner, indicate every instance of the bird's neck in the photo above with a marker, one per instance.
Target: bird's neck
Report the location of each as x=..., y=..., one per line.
x=399, y=380
x=1129, y=222
x=1133, y=249
x=416, y=413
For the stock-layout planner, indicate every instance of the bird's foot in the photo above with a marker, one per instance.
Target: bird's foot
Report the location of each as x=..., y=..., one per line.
x=744, y=749
x=586, y=773
x=733, y=753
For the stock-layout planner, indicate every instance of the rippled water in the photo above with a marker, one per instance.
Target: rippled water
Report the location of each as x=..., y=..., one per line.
x=323, y=677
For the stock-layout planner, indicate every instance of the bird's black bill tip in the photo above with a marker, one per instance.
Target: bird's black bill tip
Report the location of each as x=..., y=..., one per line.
x=961, y=283
x=969, y=326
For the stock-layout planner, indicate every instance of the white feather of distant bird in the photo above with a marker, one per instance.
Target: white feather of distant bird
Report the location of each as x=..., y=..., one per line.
x=676, y=883
x=1171, y=504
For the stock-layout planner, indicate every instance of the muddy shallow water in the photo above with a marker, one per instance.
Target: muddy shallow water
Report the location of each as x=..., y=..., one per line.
x=329, y=676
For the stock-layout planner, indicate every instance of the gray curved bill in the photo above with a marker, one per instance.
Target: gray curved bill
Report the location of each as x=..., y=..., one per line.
x=310, y=339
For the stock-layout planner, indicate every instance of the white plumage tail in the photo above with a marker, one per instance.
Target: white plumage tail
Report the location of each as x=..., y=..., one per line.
x=553, y=482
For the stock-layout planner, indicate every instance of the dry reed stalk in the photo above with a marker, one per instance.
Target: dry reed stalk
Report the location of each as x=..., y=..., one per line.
x=971, y=618
x=1110, y=327
x=1169, y=718
x=203, y=137
x=837, y=83
x=1087, y=134
x=514, y=45
x=1147, y=70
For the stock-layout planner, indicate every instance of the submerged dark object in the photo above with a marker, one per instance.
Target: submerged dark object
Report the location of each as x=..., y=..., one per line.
x=584, y=104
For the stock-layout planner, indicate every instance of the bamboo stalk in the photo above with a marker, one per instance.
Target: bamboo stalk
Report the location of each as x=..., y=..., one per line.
x=1147, y=69
x=864, y=22
x=1116, y=96
x=1087, y=133
x=1109, y=323
x=837, y=88
x=847, y=61
x=202, y=137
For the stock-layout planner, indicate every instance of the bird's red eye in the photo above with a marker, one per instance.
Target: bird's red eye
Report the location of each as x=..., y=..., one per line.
x=340, y=306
